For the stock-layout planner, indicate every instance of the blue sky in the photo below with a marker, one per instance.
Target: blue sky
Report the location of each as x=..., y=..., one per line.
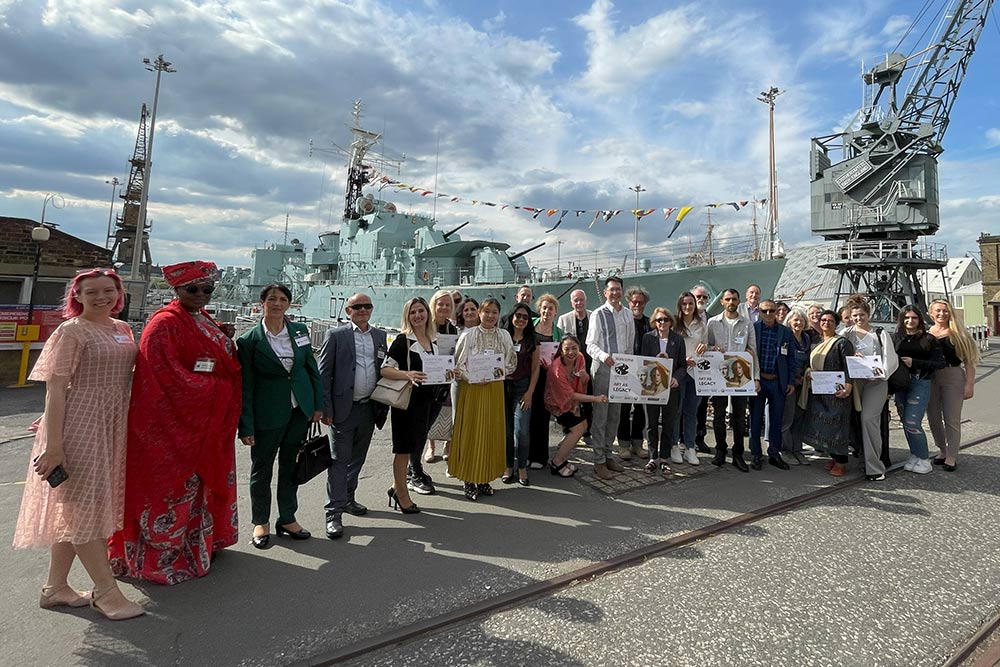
x=550, y=104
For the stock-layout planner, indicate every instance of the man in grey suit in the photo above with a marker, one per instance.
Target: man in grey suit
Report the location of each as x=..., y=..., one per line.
x=349, y=365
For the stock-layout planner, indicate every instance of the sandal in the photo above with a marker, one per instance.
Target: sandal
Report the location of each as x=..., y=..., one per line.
x=54, y=596
x=507, y=478
x=564, y=469
x=650, y=467
x=664, y=468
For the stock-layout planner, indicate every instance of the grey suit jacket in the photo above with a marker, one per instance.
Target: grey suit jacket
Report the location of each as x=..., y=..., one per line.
x=567, y=322
x=336, y=368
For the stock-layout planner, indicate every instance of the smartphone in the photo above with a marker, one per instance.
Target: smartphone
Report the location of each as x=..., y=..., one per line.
x=57, y=476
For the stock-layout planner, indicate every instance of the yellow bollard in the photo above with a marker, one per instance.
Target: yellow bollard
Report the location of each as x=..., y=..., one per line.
x=26, y=333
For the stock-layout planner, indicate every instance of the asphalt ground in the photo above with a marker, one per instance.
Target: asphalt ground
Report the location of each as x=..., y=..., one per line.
x=895, y=573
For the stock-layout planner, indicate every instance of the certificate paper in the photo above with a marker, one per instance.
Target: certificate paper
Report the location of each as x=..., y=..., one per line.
x=485, y=368
x=866, y=368
x=547, y=352
x=827, y=382
x=446, y=343
x=636, y=379
x=439, y=368
x=723, y=374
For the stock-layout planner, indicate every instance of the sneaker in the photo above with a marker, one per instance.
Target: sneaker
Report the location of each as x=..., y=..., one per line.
x=625, y=453
x=876, y=478
x=910, y=462
x=922, y=467
x=588, y=440
x=535, y=465
x=421, y=484
x=691, y=457
x=638, y=450
x=675, y=454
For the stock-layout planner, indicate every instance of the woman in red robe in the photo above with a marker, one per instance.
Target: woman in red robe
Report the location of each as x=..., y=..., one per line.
x=180, y=482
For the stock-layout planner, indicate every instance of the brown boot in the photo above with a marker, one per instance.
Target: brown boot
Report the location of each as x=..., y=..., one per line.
x=637, y=450
x=625, y=453
x=601, y=471
x=614, y=466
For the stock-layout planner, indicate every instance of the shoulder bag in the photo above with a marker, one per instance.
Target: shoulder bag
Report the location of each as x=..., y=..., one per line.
x=900, y=378
x=394, y=393
x=314, y=454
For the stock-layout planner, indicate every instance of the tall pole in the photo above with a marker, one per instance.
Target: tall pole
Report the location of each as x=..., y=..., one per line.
x=159, y=66
x=114, y=182
x=767, y=97
x=39, y=235
x=637, y=189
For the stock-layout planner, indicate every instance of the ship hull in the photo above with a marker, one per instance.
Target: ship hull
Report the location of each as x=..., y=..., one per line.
x=326, y=301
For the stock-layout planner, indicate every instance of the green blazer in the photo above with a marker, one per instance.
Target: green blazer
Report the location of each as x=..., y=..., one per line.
x=268, y=387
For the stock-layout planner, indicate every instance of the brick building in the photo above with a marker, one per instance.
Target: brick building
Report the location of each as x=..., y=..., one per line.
x=989, y=249
x=62, y=256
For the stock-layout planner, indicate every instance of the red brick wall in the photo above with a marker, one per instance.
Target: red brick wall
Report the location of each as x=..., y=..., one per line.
x=62, y=254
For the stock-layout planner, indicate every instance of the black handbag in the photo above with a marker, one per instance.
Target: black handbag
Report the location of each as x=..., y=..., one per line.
x=900, y=378
x=314, y=454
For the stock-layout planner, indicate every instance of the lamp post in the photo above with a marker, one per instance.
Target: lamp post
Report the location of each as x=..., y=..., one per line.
x=637, y=189
x=114, y=182
x=767, y=97
x=159, y=66
x=29, y=333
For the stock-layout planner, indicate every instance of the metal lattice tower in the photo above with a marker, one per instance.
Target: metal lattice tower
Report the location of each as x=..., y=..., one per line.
x=126, y=222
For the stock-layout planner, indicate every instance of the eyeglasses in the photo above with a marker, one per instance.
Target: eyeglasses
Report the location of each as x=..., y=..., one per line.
x=767, y=310
x=658, y=320
x=204, y=289
x=519, y=316
x=361, y=306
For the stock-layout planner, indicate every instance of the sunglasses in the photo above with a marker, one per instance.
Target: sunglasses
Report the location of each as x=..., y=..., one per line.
x=520, y=316
x=661, y=319
x=204, y=289
x=361, y=306
x=767, y=310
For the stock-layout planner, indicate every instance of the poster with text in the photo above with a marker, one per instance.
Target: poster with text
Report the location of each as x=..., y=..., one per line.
x=439, y=368
x=446, y=343
x=636, y=379
x=724, y=374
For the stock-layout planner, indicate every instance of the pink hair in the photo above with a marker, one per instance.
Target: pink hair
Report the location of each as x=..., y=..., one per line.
x=73, y=308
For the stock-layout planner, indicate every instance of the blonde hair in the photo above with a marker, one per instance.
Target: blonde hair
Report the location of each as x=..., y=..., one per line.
x=430, y=330
x=547, y=297
x=965, y=347
x=660, y=310
x=441, y=294
x=797, y=313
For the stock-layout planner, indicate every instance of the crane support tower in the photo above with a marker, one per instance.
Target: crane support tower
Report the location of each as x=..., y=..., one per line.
x=128, y=220
x=874, y=187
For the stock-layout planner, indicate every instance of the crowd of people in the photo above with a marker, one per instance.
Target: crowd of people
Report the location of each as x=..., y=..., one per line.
x=134, y=470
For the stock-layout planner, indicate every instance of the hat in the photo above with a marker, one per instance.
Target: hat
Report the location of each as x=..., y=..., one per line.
x=178, y=275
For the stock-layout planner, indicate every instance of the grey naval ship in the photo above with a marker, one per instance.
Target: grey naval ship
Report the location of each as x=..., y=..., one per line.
x=393, y=256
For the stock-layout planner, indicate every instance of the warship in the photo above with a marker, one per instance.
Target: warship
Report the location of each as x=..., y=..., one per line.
x=394, y=255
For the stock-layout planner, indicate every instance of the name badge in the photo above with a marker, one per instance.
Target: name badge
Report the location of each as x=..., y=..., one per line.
x=204, y=365
x=123, y=338
x=302, y=341
x=487, y=351
x=517, y=347
x=380, y=355
x=784, y=350
x=741, y=340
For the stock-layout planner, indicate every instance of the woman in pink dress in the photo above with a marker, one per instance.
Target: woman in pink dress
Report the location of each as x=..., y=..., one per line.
x=87, y=369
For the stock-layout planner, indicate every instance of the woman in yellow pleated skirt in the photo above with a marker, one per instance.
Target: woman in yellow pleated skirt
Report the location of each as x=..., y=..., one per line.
x=477, y=452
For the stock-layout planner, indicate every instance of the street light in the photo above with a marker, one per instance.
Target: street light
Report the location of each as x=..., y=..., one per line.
x=637, y=189
x=159, y=66
x=114, y=182
x=40, y=235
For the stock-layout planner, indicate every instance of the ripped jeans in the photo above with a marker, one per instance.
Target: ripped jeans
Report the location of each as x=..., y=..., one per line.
x=911, y=405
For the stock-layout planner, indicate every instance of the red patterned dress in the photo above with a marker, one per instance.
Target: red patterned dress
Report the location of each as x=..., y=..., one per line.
x=180, y=482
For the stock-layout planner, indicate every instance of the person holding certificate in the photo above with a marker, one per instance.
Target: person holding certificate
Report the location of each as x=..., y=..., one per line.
x=478, y=440
x=404, y=361
x=519, y=390
x=870, y=395
x=828, y=416
x=442, y=307
x=661, y=435
x=546, y=331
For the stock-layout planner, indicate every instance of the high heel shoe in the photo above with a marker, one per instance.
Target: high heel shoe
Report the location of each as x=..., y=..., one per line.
x=300, y=534
x=128, y=610
x=394, y=502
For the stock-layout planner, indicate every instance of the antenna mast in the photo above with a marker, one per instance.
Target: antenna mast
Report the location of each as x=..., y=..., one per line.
x=771, y=230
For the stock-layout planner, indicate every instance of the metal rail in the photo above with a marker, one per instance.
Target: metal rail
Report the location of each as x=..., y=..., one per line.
x=545, y=587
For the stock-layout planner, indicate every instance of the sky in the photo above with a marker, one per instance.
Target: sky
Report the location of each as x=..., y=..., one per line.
x=554, y=104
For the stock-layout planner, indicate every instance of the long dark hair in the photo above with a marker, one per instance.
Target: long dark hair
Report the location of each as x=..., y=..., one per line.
x=901, y=327
x=679, y=325
x=528, y=342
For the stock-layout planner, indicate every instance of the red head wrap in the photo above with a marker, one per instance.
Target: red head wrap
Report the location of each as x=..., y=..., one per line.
x=184, y=273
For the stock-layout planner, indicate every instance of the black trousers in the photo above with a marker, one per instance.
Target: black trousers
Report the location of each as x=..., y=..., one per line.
x=632, y=424
x=737, y=418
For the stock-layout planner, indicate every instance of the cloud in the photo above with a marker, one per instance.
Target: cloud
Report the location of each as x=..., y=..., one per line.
x=993, y=137
x=495, y=23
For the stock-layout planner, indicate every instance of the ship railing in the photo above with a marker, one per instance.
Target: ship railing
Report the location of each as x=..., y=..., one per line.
x=318, y=329
x=839, y=253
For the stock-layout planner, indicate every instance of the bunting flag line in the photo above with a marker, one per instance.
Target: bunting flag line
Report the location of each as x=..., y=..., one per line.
x=559, y=221
x=680, y=218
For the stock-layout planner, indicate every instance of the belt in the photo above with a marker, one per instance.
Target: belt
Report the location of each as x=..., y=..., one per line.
x=362, y=401
x=768, y=376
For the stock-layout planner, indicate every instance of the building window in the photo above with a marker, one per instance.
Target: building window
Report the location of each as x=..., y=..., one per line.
x=10, y=290
x=49, y=293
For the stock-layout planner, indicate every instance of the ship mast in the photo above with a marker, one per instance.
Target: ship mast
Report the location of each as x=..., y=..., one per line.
x=771, y=230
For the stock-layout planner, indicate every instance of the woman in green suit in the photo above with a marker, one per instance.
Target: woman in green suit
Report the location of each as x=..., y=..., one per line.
x=282, y=393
